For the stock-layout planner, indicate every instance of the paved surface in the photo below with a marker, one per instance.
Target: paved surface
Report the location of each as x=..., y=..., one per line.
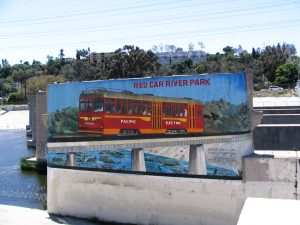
x=14, y=120
x=278, y=153
x=261, y=211
x=13, y=215
x=276, y=101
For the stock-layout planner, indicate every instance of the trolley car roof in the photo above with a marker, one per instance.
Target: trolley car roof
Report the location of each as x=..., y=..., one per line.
x=133, y=96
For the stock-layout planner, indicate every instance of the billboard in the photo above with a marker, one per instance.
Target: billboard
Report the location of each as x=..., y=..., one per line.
x=173, y=106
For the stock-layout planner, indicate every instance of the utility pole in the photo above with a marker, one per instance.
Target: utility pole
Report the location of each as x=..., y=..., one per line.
x=298, y=71
x=25, y=90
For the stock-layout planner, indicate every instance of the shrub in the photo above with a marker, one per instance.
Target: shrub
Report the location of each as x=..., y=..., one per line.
x=15, y=97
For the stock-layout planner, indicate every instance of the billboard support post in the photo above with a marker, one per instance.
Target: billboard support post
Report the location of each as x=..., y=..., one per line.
x=197, y=164
x=71, y=159
x=138, y=160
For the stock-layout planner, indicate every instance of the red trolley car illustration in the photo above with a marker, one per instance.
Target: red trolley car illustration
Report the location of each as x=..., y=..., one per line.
x=125, y=113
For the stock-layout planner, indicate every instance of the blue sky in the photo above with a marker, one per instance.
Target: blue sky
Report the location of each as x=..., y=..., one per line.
x=37, y=28
x=230, y=87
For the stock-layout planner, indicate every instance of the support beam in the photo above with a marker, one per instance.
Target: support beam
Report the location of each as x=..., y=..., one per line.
x=41, y=125
x=71, y=159
x=138, y=160
x=85, y=146
x=197, y=164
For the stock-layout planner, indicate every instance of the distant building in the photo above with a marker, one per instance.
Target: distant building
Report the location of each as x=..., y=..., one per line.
x=164, y=58
x=17, y=86
x=167, y=58
x=68, y=60
x=99, y=58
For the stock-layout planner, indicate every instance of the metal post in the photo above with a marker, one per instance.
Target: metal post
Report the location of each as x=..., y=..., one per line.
x=197, y=164
x=71, y=159
x=138, y=160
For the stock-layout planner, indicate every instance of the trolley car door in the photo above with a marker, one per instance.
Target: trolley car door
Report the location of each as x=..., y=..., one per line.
x=156, y=115
x=191, y=116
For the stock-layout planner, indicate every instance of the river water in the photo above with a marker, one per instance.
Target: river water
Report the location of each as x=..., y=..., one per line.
x=17, y=187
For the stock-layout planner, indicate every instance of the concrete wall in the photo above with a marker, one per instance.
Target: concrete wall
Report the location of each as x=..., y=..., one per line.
x=229, y=155
x=32, y=121
x=30, y=107
x=281, y=119
x=41, y=126
x=142, y=199
x=267, y=177
x=277, y=137
x=281, y=110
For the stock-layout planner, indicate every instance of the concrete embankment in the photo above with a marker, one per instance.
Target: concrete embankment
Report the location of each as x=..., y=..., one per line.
x=14, y=215
x=279, y=128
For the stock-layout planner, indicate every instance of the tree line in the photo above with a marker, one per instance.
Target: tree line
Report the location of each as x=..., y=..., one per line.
x=276, y=64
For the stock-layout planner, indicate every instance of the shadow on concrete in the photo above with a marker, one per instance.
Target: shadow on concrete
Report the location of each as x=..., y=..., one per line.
x=77, y=221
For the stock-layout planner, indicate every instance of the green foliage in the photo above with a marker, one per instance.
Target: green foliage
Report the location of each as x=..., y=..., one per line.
x=5, y=71
x=271, y=58
x=37, y=83
x=286, y=74
x=63, y=122
x=199, y=69
x=229, y=50
x=183, y=67
x=15, y=97
x=39, y=167
x=258, y=87
x=53, y=67
x=82, y=54
x=130, y=61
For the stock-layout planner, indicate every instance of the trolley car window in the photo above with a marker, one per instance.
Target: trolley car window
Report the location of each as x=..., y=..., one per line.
x=109, y=108
x=181, y=110
x=166, y=109
x=199, y=111
x=118, y=106
x=177, y=109
x=90, y=105
x=124, y=106
x=98, y=105
x=140, y=109
x=185, y=110
x=135, y=107
x=145, y=106
x=149, y=108
x=130, y=106
x=109, y=100
x=174, y=109
x=82, y=105
x=109, y=105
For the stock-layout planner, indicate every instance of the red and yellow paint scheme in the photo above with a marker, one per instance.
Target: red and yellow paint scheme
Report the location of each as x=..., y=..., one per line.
x=125, y=113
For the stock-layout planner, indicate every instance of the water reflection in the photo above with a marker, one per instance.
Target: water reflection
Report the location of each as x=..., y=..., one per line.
x=17, y=187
